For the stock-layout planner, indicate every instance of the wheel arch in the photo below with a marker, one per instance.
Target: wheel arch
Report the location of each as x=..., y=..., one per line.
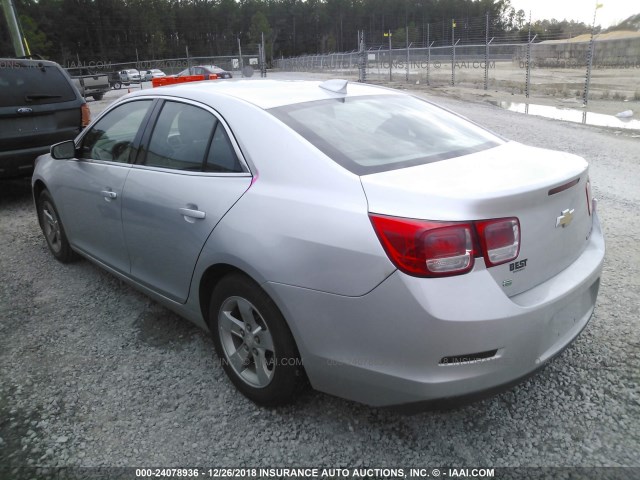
x=208, y=282
x=38, y=188
x=210, y=278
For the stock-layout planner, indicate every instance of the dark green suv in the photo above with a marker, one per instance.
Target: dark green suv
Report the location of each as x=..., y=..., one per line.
x=39, y=106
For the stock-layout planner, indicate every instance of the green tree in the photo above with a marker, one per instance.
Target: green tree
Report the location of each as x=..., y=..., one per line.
x=36, y=38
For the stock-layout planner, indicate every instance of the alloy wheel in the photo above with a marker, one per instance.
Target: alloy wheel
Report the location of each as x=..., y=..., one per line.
x=246, y=341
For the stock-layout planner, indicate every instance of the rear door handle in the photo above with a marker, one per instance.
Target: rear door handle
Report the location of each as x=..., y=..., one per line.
x=188, y=212
x=109, y=195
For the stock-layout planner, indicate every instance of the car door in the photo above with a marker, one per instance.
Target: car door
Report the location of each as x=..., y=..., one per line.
x=188, y=176
x=90, y=187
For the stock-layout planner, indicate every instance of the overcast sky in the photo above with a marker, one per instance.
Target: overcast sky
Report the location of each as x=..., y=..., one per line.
x=612, y=11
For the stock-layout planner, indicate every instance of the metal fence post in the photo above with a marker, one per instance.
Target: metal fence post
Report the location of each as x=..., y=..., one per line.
x=362, y=67
x=429, y=60
x=587, y=81
x=406, y=28
x=527, y=87
x=486, y=54
x=527, y=83
x=390, y=59
x=453, y=53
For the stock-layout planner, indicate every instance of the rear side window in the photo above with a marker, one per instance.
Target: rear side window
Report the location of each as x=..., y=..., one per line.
x=28, y=84
x=181, y=137
x=222, y=157
x=373, y=134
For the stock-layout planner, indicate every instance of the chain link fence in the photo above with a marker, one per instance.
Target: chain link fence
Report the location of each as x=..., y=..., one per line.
x=556, y=68
x=241, y=65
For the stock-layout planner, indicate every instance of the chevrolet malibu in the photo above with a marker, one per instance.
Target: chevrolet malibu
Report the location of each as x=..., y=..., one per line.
x=354, y=237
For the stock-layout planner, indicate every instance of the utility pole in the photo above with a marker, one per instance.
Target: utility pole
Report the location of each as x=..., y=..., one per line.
x=14, y=29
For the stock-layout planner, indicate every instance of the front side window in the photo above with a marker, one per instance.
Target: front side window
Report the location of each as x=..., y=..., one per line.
x=111, y=138
x=372, y=134
x=181, y=137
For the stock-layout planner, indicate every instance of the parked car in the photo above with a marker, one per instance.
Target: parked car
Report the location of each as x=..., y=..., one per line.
x=39, y=106
x=386, y=249
x=131, y=76
x=90, y=83
x=153, y=73
x=207, y=70
x=116, y=80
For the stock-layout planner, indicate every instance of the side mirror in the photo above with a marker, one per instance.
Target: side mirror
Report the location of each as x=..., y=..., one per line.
x=63, y=150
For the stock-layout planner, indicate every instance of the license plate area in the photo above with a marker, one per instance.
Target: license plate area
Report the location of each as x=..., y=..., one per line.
x=25, y=125
x=570, y=320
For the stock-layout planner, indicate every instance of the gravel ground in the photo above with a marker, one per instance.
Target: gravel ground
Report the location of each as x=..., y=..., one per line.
x=93, y=373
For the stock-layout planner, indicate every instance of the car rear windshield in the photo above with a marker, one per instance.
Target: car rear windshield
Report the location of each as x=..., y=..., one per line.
x=29, y=84
x=371, y=134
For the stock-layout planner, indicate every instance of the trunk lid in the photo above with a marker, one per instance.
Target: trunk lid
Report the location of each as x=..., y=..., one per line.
x=546, y=190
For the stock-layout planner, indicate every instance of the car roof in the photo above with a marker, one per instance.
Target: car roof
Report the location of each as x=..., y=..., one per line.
x=264, y=93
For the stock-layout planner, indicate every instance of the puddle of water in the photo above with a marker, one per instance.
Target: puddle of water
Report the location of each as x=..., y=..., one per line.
x=571, y=115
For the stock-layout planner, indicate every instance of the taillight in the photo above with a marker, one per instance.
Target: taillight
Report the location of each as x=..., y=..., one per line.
x=499, y=240
x=436, y=249
x=426, y=249
x=86, y=115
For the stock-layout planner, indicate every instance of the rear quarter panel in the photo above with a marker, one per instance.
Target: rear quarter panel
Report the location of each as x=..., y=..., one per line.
x=304, y=220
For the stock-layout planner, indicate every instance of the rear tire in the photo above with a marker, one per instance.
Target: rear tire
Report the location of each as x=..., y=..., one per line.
x=98, y=96
x=53, y=230
x=253, y=342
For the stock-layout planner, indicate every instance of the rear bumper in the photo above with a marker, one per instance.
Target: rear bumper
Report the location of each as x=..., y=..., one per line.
x=387, y=347
x=19, y=163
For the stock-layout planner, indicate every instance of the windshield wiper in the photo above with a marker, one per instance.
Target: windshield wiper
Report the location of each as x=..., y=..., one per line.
x=30, y=97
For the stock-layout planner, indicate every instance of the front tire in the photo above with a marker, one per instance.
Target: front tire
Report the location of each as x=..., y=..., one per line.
x=253, y=342
x=53, y=230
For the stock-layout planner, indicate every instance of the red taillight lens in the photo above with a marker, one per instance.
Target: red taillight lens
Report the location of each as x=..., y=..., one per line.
x=499, y=239
x=426, y=249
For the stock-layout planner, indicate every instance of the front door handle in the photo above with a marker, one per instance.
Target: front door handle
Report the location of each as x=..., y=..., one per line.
x=191, y=213
x=109, y=195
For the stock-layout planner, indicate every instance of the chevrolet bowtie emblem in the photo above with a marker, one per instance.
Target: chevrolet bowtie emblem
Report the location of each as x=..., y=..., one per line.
x=565, y=219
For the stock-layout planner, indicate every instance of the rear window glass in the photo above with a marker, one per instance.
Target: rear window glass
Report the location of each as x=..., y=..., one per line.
x=372, y=134
x=28, y=84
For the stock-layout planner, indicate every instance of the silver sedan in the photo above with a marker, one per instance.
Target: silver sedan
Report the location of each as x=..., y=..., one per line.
x=352, y=237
